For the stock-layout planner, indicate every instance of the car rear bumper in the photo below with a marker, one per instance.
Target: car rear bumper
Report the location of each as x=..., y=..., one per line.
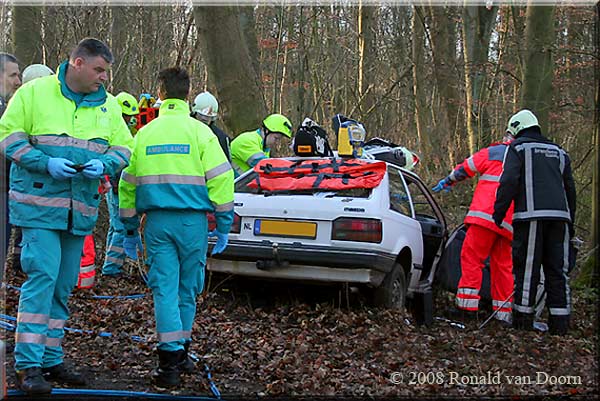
x=301, y=262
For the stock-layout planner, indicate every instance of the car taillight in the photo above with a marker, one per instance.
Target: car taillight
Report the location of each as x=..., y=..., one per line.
x=236, y=227
x=360, y=230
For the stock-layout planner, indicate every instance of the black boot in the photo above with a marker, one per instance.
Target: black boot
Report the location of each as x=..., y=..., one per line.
x=558, y=325
x=31, y=381
x=461, y=315
x=167, y=374
x=187, y=365
x=522, y=321
x=62, y=374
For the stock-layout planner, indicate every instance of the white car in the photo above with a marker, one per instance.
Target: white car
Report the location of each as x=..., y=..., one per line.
x=388, y=238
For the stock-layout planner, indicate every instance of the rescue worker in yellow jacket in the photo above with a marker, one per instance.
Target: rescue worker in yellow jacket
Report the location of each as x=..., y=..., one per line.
x=248, y=148
x=115, y=254
x=62, y=133
x=178, y=173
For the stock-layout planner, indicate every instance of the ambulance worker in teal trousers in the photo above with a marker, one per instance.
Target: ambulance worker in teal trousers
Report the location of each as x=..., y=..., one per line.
x=62, y=133
x=178, y=173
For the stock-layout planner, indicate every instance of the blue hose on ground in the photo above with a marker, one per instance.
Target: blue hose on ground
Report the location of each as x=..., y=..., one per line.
x=211, y=383
x=12, y=327
x=118, y=393
x=133, y=296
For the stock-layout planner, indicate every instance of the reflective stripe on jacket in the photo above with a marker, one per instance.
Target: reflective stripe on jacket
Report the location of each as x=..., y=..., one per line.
x=488, y=164
x=247, y=150
x=177, y=163
x=537, y=176
x=41, y=122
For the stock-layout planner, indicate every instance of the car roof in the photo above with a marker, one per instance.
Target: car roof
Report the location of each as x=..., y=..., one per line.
x=371, y=159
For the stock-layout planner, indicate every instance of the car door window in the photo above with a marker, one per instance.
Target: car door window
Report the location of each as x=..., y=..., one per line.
x=423, y=208
x=399, y=199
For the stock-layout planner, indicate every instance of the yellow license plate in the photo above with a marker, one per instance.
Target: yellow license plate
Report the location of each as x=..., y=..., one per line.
x=281, y=228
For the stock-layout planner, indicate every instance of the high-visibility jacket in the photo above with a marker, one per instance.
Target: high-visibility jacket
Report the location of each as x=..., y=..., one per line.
x=177, y=164
x=42, y=121
x=5, y=167
x=488, y=164
x=247, y=149
x=87, y=270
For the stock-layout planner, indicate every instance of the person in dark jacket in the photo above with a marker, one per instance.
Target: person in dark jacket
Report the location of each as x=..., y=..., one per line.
x=537, y=176
x=205, y=108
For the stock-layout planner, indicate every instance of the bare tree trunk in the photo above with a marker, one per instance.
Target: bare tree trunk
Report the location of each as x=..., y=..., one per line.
x=275, y=66
x=26, y=34
x=285, y=66
x=596, y=168
x=477, y=30
x=247, y=23
x=302, y=67
x=418, y=44
x=367, y=56
x=538, y=70
x=119, y=35
x=5, y=26
x=231, y=71
x=443, y=42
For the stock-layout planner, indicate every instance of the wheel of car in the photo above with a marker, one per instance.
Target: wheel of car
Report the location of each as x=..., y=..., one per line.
x=392, y=291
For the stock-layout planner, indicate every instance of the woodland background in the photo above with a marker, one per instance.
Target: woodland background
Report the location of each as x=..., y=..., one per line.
x=440, y=80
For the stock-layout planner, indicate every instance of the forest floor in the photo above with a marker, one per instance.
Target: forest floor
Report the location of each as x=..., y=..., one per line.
x=270, y=339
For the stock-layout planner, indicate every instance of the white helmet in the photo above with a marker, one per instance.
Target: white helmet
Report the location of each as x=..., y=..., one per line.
x=34, y=71
x=206, y=105
x=521, y=120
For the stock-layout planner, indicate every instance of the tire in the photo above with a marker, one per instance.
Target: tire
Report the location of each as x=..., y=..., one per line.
x=392, y=291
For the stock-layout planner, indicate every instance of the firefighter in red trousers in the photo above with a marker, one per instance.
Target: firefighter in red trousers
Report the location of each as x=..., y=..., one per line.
x=484, y=238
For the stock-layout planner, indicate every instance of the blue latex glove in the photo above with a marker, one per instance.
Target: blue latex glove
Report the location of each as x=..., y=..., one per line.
x=131, y=244
x=93, y=169
x=60, y=168
x=442, y=185
x=221, y=244
x=400, y=197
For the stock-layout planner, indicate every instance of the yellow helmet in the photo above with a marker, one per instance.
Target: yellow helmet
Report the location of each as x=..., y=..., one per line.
x=278, y=123
x=129, y=106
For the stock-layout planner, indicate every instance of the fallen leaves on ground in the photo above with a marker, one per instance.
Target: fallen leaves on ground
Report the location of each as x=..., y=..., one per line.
x=261, y=338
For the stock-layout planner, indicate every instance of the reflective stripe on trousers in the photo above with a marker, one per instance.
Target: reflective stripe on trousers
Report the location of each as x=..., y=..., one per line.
x=481, y=242
x=51, y=260
x=175, y=286
x=115, y=254
x=541, y=244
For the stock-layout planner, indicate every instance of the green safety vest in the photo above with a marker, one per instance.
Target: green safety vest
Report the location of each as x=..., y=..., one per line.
x=247, y=150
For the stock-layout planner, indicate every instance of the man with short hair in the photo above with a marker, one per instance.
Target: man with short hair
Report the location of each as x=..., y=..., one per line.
x=10, y=80
x=61, y=143
x=178, y=173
